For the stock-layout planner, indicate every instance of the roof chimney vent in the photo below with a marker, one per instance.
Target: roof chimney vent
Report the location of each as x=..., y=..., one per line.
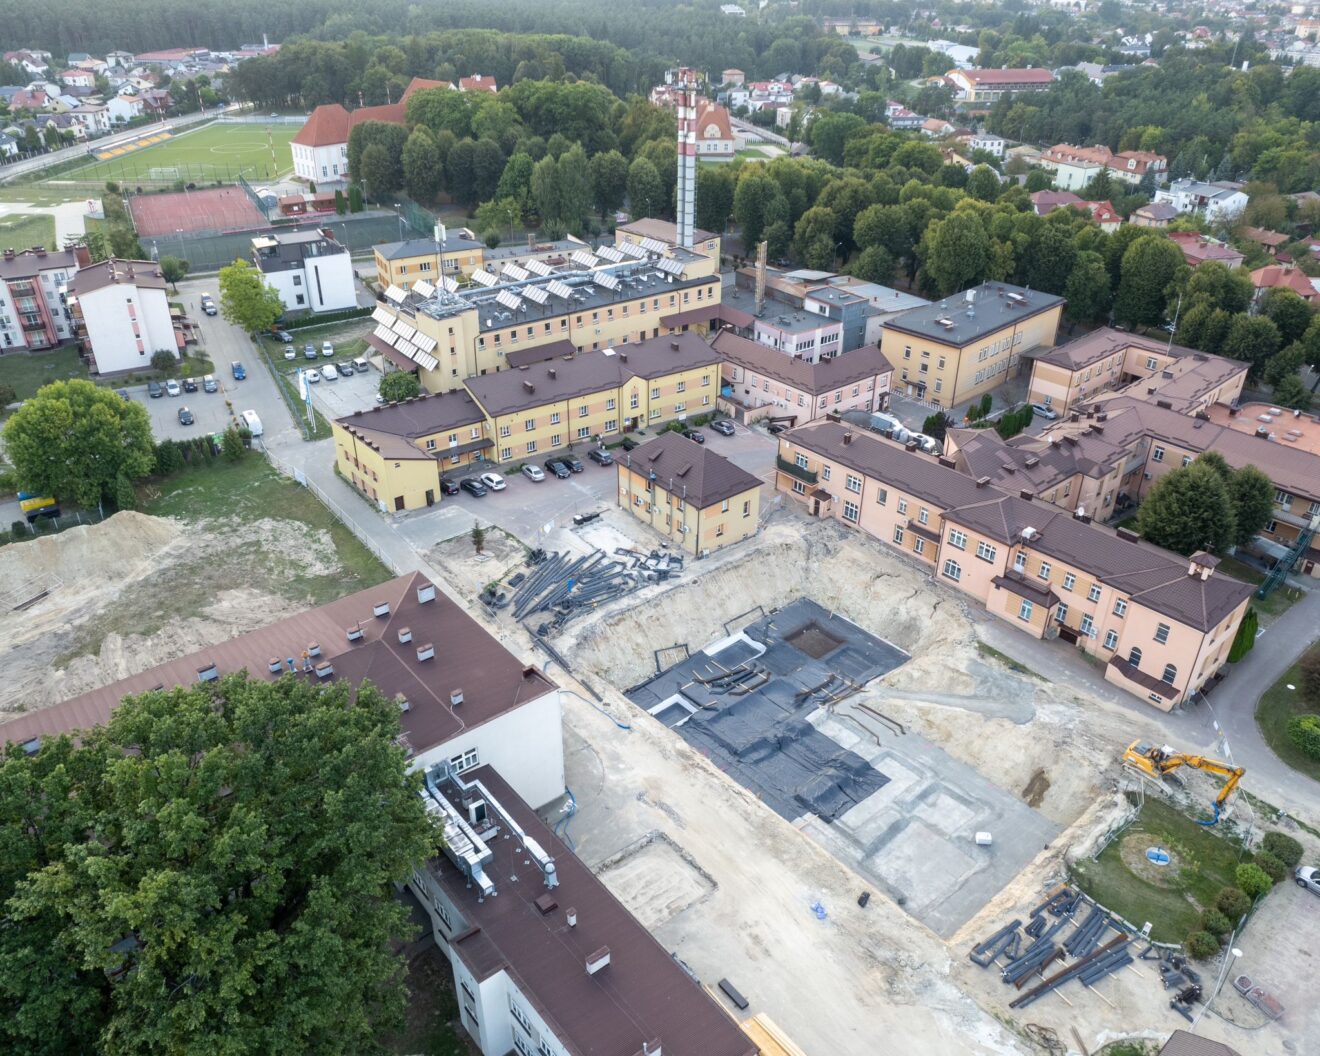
x=402, y=701
x=405, y=635
x=651, y=1048
x=673, y=345
x=455, y=697
x=425, y=652
x=314, y=649
x=598, y=961
x=529, y=386
x=848, y=437
x=325, y=669
x=354, y=633
x=275, y=665
x=571, y=916
x=208, y=673
x=381, y=609
x=425, y=593
x=981, y=482
x=1026, y=493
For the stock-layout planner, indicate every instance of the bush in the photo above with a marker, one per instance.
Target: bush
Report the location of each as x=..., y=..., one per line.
x=232, y=445
x=1272, y=866
x=399, y=386
x=1233, y=903
x=7, y=395
x=1304, y=732
x=19, y=530
x=162, y=360
x=1310, y=663
x=1216, y=923
x=8, y=482
x=1253, y=880
x=1202, y=945
x=1283, y=847
x=169, y=459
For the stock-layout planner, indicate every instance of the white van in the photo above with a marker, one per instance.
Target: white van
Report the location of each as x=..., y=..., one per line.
x=253, y=423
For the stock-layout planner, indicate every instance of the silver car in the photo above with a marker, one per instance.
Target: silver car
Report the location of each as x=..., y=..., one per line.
x=1308, y=876
x=1042, y=411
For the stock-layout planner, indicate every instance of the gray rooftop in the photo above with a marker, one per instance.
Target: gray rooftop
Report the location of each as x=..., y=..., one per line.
x=995, y=305
x=779, y=314
x=421, y=247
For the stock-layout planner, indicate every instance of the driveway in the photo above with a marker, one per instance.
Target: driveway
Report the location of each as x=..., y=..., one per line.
x=343, y=396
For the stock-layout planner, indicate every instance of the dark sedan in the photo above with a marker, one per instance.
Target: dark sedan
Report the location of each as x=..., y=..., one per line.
x=693, y=435
x=449, y=487
x=557, y=467
x=473, y=486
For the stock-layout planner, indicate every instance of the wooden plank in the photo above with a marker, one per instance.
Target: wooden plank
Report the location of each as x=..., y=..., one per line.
x=769, y=1038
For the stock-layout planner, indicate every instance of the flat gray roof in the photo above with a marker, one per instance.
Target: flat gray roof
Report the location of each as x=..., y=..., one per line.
x=775, y=313
x=995, y=306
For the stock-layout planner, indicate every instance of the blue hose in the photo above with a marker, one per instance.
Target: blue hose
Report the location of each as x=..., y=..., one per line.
x=568, y=816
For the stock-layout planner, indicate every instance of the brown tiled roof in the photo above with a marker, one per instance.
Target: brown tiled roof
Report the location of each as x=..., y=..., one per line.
x=477, y=83
x=549, y=381
x=393, y=428
x=704, y=314
x=142, y=273
x=328, y=124
x=27, y=264
x=684, y=467
x=1142, y=678
x=708, y=114
x=814, y=378
x=524, y=357
x=1047, y=201
x=1157, y=211
x=1274, y=276
x=1263, y=237
x=418, y=84
x=493, y=680
x=643, y=996
x=1181, y=1043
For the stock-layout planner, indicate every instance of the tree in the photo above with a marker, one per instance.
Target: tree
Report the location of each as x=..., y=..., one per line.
x=400, y=385
x=355, y=199
x=1187, y=510
x=1252, y=879
x=246, y=300
x=1252, y=339
x=1149, y=266
x=644, y=188
x=983, y=183
x=423, y=171
x=544, y=189
x=478, y=537
x=232, y=445
x=1288, y=312
x=217, y=862
x=874, y=264
x=1245, y=638
x=163, y=360
x=1293, y=393
x=341, y=203
x=74, y=440
x=7, y=395
x=573, y=174
x=172, y=269
x=757, y=203
x=516, y=180
x=936, y=426
x=1285, y=364
x=813, y=238
x=957, y=252
x=459, y=177
x=609, y=181
x=1283, y=847
x=1087, y=290
x=379, y=171
x=829, y=133
x=498, y=215
x=715, y=184
x=1251, y=493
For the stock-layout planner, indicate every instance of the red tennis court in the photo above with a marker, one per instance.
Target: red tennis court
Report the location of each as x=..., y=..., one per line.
x=211, y=209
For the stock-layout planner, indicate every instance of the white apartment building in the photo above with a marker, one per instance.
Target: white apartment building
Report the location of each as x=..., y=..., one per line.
x=123, y=313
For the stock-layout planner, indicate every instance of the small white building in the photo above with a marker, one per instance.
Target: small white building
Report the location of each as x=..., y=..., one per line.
x=991, y=144
x=123, y=108
x=1215, y=200
x=310, y=270
x=123, y=311
x=93, y=117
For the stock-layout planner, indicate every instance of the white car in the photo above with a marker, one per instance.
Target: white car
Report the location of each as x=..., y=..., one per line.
x=1048, y=413
x=1308, y=876
x=172, y=388
x=290, y=352
x=493, y=481
x=312, y=376
x=329, y=373
x=327, y=349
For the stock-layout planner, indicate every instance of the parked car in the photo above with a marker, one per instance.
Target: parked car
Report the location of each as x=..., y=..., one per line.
x=532, y=472
x=473, y=486
x=185, y=416
x=123, y=394
x=209, y=384
x=693, y=435
x=189, y=384
x=155, y=389
x=600, y=456
x=1308, y=876
x=723, y=426
x=329, y=372
x=346, y=370
x=449, y=487
x=557, y=467
x=361, y=365
x=778, y=427
x=312, y=376
x=327, y=349
x=290, y=353
x=282, y=336
x=1048, y=413
x=573, y=463
x=208, y=305
x=493, y=481
x=172, y=388
x=239, y=373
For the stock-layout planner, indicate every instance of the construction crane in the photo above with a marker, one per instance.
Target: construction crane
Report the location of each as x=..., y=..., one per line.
x=1158, y=763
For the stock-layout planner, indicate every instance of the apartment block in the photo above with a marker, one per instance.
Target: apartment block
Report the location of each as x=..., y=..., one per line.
x=452, y=254
x=33, y=294
x=989, y=86
x=697, y=500
x=310, y=270
x=955, y=349
x=1160, y=623
x=120, y=308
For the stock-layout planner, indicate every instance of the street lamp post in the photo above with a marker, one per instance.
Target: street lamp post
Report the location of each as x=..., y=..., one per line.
x=1233, y=954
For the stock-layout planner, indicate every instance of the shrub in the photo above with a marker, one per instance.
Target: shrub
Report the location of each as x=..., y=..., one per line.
x=8, y=482
x=1233, y=903
x=7, y=395
x=162, y=360
x=1253, y=880
x=1202, y=945
x=233, y=445
x=1310, y=663
x=1215, y=923
x=169, y=459
x=1272, y=867
x=1304, y=732
x=1283, y=847
x=19, y=530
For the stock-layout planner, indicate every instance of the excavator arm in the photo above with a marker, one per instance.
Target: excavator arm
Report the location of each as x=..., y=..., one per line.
x=1158, y=762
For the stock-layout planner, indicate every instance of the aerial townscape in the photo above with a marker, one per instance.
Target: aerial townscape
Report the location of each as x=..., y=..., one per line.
x=623, y=529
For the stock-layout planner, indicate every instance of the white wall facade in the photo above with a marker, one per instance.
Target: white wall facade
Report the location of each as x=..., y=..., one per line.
x=126, y=324
x=322, y=284
x=811, y=345
x=317, y=164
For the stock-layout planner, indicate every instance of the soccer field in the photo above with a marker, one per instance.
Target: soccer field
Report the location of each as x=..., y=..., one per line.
x=220, y=151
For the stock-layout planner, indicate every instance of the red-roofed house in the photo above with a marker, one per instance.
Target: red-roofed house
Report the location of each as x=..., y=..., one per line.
x=1131, y=165
x=1197, y=249
x=1104, y=214
x=988, y=86
x=715, y=136
x=477, y=83
x=78, y=79
x=1045, y=202
x=29, y=99
x=1284, y=277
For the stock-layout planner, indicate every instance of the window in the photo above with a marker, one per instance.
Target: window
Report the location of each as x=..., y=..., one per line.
x=1283, y=498
x=609, y=404
x=800, y=460
x=466, y=761
x=1069, y=581
x=952, y=570
x=1044, y=572
x=1134, y=656
x=881, y=495
x=519, y=1016
x=898, y=536
x=1162, y=633
x=1157, y=454
x=902, y=506
x=919, y=545
x=611, y=425
x=1170, y=673
x=554, y=419
x=825, y=472
x=986, y=552
x=555, y=439
x=1120, y=607
x=1088, y=626
x=1187, y=460
x=957, y=539
x=1025, y=610
x=1019, y=562
x=531, y=447
x=655, y=393
x=1111, y=640
x=1094, y=593
x=530, y=424
x=505, y=430
x=430, y=445
x=853, y=483
x=506, y=453
x=583, y=432
x=719, y=530
x=799, y=488
x=923, y=515
x=747, y=507
x=681, y=387
x=1061, y=614
x=850, y=511
x=1152, y=363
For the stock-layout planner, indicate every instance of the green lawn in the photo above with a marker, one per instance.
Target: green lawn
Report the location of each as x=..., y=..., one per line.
x=25, y=230
x=1205, y=861
x=1279, y=601
x=217, y=151
x=1277, y=705
x=27, y=372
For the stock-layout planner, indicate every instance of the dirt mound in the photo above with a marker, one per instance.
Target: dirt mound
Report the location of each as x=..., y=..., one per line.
x=125, y=546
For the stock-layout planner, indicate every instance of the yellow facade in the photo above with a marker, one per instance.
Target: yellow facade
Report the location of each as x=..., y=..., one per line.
x=398, y=474
x=947, y=374
x=695, y=529
x=428, y=267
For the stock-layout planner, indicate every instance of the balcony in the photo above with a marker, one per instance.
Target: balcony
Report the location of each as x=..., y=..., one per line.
x=794, y=470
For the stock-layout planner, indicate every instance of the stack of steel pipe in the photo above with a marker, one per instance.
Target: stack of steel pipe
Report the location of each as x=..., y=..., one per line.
x=1006, y=940
x=1088, y=934
x=1101, y=956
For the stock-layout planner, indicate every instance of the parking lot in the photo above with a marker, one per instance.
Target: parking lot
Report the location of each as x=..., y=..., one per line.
x=530, y=510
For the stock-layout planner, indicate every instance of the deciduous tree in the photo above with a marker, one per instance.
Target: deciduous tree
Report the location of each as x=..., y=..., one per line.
x=400, y=385
x=1188, y=510
x=957, y=252
x=246, y=300
x=173, y=269
x=609, y=181
x=645, y=188
x=1150, y=264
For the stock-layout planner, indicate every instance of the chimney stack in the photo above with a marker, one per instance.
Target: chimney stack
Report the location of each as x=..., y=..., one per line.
x=687, y=156
x=761, y=250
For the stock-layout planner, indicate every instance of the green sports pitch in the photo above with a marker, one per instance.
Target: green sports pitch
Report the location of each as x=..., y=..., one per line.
x=220, y=151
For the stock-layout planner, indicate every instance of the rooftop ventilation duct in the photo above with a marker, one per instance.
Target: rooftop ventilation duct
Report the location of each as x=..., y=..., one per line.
x=381, y=609
x=275, y=665
x=598, y=961
x=354, y=633
x=425, y=593
x=455, y=698
x=405, y=635
x=208, y=673
x=325, y=670
x=425, y=652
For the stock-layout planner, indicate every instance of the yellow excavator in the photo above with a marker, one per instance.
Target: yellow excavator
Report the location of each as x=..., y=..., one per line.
x=1157, y=763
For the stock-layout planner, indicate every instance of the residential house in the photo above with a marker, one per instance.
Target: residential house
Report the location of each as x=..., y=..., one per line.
x=1270, y=241
x=1045, y=202
x=78, y=78
x=715, y=135
x=31, y=61
x=1074, y=167
x=1216, y=201
x=1284, y=277
x=29, y=99
x=697, y=500
x=8, y=146
x=1105, y=216
x=794, y=333
x=454, y=255
x=962, y=346
x=733, y=10
x=734, y=77
x=762, y=383
x=310, y=270
x=988, y=86
x=94, y=118
x=1160, y=624
x=120, y=308
x=33, y=285
x=123, y=108
x=1153, y=214
x=1185, y=1043
x=937, y=128
x=991, y=144
x=122, y=60
x=156, y=102
x=478, y=83
x=1197, y=249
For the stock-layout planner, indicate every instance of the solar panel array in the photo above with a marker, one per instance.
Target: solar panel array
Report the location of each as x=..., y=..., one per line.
x=513, y=273
x=484, y=278
x=403, y=338
x=535, y=293
x=582, y=258
x=449, y=285
x=509, y=299
x=605, y=280
x=609, y=253
x=393, y=293
x=423, y=288
x=539, y=267
x=560, y=289
x=669, y=267
x=653, y=245
x=381, y=315
x=631, y=249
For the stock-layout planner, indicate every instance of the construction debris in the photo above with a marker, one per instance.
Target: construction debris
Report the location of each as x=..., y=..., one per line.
x=563, y=587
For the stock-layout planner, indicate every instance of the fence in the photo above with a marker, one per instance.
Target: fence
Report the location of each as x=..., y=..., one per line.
x=21, y=530
x=212, y=251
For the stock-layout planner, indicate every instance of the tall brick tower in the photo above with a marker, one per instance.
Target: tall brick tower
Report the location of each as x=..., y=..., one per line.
x=687, y=156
